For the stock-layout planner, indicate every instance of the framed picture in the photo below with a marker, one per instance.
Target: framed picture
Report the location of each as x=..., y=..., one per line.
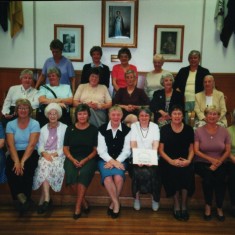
x=169, y=41
x=119, y=23
x=72, y=37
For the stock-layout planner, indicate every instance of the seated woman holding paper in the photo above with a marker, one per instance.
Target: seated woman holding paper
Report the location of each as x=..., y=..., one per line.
x=176, y=151
x=145, y=177
x=113, y=149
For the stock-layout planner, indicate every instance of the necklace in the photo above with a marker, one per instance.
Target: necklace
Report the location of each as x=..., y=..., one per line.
x=144, y=131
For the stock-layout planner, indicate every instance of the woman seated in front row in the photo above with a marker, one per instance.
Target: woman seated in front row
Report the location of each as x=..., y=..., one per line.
x=210, y=96
x=80, y=144
x=164, y=99
x=96, y=96
x=22, y=138
x=176, y=151
x=230, y=165
x=50, y=170
x=113, y=149
x=145, y=178
x=130, y=98
x=212, y=147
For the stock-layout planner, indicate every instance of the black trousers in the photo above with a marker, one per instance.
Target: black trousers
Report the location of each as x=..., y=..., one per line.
x=213, y=182
x=22, y=183
x=230, y=167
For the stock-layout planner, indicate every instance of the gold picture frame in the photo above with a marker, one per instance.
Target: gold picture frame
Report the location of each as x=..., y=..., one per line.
x=169, y=41
x=72, y=37
x=119, y=23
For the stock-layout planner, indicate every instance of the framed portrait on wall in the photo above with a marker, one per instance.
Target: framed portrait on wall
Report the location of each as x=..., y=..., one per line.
x=72, y=37
x=119, y=23
x=169, y=41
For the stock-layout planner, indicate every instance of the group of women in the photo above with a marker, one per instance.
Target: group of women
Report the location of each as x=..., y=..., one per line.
x=105, y=136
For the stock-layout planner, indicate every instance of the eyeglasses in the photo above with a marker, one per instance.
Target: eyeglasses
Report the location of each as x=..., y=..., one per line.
x=52, y=114
x=23, y=108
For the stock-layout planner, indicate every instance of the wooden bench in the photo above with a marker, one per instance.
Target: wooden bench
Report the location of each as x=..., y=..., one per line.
x=97, y=195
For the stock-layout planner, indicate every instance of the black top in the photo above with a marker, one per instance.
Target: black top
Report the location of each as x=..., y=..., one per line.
x=158, y=102
x=114, y=145
x=182, y=77
x=176, y=144
x=104, y=74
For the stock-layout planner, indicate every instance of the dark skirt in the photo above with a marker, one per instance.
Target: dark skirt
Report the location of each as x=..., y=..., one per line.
x=22, y=183
x=81, y=175
x=146, y=180
x=177, y=178
x=110, y=172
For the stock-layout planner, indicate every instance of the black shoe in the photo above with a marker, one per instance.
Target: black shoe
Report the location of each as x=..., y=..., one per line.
x=207, y=217
x=109, y=211
x=177, y=214
x=23, y=208
x=221, y=218
x=87, y=210
x=77, y=216
x=185, y=215
x=40, y=209
x=115, y=215
x=46, y=206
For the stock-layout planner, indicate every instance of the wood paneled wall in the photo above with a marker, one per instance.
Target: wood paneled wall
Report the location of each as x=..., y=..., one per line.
x=225, y=82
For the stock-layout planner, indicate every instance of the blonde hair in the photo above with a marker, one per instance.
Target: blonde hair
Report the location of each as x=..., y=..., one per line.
x=158, y=57
x=115, y=108
x=211, y=108
x=25, y=102
x=130, y=71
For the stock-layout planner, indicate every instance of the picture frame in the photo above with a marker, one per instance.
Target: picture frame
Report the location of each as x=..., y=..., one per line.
x=72, y=37
x=169, y=41
x=119, y=23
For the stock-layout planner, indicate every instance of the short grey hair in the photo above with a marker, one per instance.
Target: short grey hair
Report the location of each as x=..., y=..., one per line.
x=212, y=78
x=54, y=106
x=166, y=75
x=194, y=52
x=26, y=71
x=54, y=70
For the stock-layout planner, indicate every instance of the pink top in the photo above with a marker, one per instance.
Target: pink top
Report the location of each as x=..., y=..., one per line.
x=212, y=145
x=119, y=74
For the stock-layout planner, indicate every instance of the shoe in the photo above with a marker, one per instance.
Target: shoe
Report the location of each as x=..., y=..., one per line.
x=137, y=204
x=115, y=215
x=155, y=205
x=23, y=208
x=177, y=214
x=40, y=209
x=221, y=218
x=109, y=211
x=86, y=207
x=185, y=215
x=77, y=216
x=46, y=206
x=207, y=217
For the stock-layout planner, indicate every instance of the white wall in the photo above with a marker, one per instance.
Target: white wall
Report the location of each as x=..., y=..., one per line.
x=200, y=33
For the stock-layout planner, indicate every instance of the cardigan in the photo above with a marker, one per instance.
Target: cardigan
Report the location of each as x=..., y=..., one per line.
x=159, y=102
x=217, y=100
x=182, y=77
